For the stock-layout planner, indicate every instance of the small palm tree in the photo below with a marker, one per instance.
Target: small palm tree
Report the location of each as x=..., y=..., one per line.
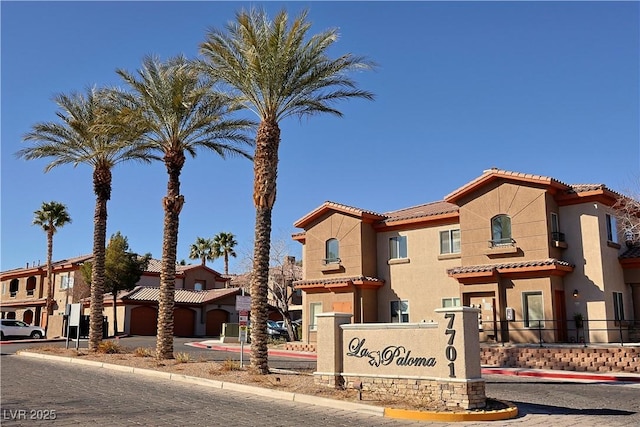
x=51, y=216
x=81, y=137
x=181, y=114
x=277, y=72
x=202, y=249
x=223, y=246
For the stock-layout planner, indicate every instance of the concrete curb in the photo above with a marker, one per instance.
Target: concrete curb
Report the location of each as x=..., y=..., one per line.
x=511, y=412
x=242, y=388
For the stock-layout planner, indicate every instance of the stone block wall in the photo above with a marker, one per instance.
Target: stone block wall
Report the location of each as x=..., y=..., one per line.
x=612, y=359
x=464, y=394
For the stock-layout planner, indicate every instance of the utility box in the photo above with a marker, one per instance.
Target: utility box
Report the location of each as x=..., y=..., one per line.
x=510, y=314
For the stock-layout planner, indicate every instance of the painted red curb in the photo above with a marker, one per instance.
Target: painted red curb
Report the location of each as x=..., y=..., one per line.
x=563, y=375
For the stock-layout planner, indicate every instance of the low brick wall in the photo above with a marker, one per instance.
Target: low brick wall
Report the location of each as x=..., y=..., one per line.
x=612, y=359
x=581, y=359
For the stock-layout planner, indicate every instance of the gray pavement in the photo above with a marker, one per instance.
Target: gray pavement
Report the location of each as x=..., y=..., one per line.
x=83, y=395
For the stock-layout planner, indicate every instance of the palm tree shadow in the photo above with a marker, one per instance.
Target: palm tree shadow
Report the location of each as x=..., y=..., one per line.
x=525, y=408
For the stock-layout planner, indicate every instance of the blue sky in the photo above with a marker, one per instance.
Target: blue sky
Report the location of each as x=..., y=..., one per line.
x=549, y=88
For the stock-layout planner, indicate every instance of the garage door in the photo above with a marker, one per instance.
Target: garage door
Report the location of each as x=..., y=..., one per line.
x=184, y=320
x=144, y=321
x=215, y=319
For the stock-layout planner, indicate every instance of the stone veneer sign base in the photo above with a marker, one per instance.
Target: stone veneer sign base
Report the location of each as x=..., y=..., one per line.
x=439, y=361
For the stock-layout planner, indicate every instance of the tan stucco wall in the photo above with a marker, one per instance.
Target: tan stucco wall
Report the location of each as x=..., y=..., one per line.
x=348, y=230
x=422, y=280
x=529, y=225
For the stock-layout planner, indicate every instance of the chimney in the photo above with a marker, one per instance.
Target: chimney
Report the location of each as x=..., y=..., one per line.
x=290, y=260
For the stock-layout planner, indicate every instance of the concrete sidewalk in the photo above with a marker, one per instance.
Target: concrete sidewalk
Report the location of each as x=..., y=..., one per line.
x=486, y=370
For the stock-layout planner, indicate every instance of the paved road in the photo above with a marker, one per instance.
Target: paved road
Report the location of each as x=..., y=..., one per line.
x=82, y=395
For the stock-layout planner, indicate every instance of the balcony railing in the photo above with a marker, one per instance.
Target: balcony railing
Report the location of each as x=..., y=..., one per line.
x=326, y=261
x=540, y=332
x=556, y=236
x=497, y=243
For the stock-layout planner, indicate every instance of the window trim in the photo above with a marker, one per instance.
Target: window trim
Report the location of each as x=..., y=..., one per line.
x=612, y=228
x=618, y=307
x=397, y=244
x=450, y=241
x=400, y=314
x=527, y=321
x=335, y=259
x=453, y=301
x=313, y=315
x=505, y=237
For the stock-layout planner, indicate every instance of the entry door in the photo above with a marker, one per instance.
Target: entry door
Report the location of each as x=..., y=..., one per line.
x=487, y=325
x=560, y=324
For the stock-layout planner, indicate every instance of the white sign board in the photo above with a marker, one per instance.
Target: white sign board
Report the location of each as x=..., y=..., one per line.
x=243, y=303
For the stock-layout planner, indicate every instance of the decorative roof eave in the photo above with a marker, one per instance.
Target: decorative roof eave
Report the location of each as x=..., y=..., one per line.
x=602, y=195
x=364, y=215
x=299, y=237
x=24, y=303
x=445, y=218
x=495, y=174
x=487, y=273
x=337, y=283
x=630, y=263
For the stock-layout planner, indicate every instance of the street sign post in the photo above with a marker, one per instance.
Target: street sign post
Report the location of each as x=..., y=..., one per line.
x=243, y=305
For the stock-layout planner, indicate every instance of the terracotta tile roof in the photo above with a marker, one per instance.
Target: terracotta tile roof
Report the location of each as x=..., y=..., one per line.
x=328, y=206
x=507, y=266
x=424, y=210
x=184, y=296
x=337, y=280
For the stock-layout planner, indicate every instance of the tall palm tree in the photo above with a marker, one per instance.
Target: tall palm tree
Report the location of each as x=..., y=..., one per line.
x=202, y=249
x=223, y=246
x=182, y=114
x=51, y=216
x=76, y=140
x=278, y=73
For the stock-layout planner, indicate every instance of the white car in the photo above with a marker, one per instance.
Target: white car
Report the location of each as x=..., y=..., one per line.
x=17, y=328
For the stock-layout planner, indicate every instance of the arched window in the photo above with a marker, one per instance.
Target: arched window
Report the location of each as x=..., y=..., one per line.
x=31, y=285
x=13, y=287
x=501, y=230
x=332, y=251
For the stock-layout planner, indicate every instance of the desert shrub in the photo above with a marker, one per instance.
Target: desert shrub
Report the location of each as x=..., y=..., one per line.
x=182, y=357
x=144, y=352
x=230, y=365
x=110, y=347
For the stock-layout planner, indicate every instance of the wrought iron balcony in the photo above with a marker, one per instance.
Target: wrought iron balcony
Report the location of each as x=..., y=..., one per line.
x=556, y=236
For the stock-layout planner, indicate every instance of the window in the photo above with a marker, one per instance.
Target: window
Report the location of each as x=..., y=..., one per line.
x=533, y=307
x=450, y=302
x=501, y=230
x=31, y=285
x=450, y=242
x=399, y=311
x=618, y=307
x=199, y=285
x=13, y=288
x=315, y=308
x=398, y=247
x=612, y=229
x=332, y=251
x=555, y=227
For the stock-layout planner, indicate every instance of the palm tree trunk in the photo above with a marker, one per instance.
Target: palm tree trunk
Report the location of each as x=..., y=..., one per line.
x=49, y=300
x=173, y=203
x=102, y=189
x=264, y=196
x=97, y=274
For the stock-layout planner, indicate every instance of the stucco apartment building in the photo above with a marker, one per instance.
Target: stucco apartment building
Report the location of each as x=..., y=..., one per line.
x=529, y=251
x=203, y=302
